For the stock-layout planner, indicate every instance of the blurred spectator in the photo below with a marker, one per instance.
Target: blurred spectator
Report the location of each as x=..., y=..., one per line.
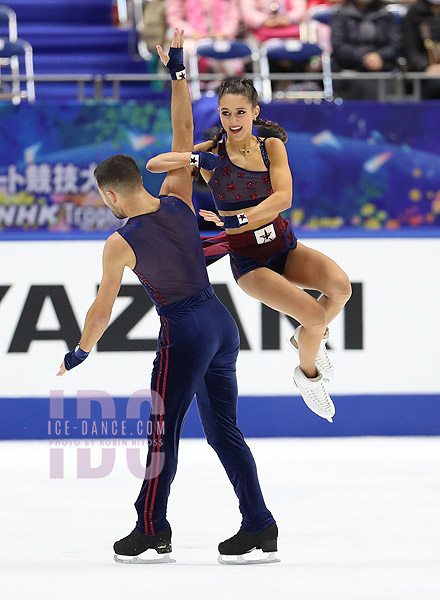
x=365, y=37
x=155, y=24
x=266, y=19
x=219, y=19
x=421, y=41
x=323, y=30
x=214, y=19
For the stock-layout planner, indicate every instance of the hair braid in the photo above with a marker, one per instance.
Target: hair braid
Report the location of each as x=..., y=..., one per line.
x=271, y=125
x=218, y=136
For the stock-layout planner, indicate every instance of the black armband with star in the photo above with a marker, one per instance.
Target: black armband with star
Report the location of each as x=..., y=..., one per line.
x=175, y=64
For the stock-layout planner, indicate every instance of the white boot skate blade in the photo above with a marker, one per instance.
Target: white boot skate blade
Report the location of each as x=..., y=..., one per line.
x=289, y=341
x=268, y=557
x=329, y=419
x=138, y=560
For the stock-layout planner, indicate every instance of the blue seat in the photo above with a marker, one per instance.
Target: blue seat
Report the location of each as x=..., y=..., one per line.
x=221, y=50
x=295, y=51
x=397, y=10
x=322, y=13
x=13, y=55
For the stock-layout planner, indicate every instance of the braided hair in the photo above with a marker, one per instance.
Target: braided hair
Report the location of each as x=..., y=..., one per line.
x=245, y=87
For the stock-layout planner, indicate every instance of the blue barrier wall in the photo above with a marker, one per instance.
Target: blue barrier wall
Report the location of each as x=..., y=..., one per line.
x=278, y=416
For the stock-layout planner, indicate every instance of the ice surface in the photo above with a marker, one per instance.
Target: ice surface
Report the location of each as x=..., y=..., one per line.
x=359, y=518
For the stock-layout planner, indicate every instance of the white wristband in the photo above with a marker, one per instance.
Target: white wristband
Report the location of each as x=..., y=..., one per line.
x=242, y=219
x=194, y=160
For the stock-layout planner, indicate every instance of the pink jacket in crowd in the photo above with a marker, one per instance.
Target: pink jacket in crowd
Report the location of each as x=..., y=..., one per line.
x=202, y=18
x=255, y=12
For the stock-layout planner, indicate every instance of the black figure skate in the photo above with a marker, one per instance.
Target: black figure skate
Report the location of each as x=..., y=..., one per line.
x=129, y=549
x=245, y=541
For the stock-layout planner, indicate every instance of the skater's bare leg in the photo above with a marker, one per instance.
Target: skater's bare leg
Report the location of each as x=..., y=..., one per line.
x=278, y=293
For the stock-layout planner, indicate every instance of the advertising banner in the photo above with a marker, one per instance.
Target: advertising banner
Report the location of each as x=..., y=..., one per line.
x=361, y=166
x=385, y=342
x=49, y=154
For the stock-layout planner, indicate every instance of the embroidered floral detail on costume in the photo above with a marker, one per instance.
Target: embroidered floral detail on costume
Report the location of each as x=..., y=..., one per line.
x=254, y=196
x=240, y=174
x=250, y=185
x=232, y=187
x=227, y=171
x=265, y=178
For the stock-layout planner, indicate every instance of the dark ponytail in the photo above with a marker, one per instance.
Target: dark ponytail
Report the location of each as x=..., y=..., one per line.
x=218, y=136
x=259, y=122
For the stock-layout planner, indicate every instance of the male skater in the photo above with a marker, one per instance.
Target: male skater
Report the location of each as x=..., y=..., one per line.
x=198, y=340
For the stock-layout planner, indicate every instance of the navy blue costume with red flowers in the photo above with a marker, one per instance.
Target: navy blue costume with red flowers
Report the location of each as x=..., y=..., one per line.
x=196, y=355
x=235, y=188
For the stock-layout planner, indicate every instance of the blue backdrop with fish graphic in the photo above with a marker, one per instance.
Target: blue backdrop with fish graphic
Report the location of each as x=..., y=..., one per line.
x=359, y=165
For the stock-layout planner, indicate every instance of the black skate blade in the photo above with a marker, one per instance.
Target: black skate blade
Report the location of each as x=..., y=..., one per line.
x=265, y=558
x=141, y=560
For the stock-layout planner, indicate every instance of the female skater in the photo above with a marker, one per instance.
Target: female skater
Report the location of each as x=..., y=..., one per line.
x=251, y=186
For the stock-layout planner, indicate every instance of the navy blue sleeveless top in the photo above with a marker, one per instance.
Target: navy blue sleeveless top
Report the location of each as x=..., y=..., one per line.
x=169, y=257
x=234, y=188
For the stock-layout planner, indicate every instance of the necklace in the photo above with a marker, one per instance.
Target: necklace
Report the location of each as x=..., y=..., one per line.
x=244, y=150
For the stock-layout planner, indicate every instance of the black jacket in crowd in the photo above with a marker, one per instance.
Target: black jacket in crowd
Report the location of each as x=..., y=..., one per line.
x=356, y=33
x=418, y=24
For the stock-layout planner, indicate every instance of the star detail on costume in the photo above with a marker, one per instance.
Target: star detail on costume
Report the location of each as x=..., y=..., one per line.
x=254, y=196
x=265, y=178
x=238, y=197
x=227, y=171
x=269, y=191
x=232, y=187
x=242, y=218
x=241, y=174
x=193, y=160
x=250, y=185
x=181, y=74
x=221, y=196
x=266, y=236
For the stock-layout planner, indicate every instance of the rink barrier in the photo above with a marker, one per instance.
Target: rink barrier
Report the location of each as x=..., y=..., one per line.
x=276, y=416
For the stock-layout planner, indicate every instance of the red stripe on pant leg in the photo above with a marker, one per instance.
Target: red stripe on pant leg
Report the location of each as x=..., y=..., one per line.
x=156, y=481
x=161, y=353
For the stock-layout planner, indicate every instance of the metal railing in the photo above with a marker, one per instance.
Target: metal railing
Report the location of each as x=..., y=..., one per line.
x=398, y=80
x=131, y=14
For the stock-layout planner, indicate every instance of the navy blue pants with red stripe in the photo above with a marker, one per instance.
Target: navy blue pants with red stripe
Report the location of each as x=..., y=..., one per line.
x=197, y=352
